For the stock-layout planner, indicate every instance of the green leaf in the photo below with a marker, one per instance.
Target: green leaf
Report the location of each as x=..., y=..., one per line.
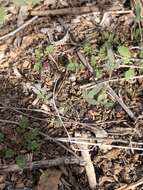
x=49, y=50
x=23, y=123
x=129, y=74
x=38, y=66
x=87, y=48
x=89, y=96
x=93, y=60
x=9, y=153
x=73, y=66
x=125, y=53
x=33, y=145
x=3, y=14
x=21, y=161
x=98, y=73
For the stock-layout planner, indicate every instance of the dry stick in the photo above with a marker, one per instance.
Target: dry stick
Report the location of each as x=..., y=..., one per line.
x=41, y=164
x=18, y=29
x=120, y=101
x=93, y=85
x=132, y=186
x=75, y=11
x=88, y=163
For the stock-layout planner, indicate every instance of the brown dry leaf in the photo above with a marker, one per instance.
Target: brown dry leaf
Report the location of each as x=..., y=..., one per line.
x=49, y=180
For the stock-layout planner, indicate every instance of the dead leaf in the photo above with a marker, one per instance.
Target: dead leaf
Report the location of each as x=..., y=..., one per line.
x=49, y=180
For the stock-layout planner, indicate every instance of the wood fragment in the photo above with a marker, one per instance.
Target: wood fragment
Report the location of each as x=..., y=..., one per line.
x=76, y=11
x=41, y=164
x=90, y=172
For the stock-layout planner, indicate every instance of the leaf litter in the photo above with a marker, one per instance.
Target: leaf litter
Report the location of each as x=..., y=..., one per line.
x=68, y=52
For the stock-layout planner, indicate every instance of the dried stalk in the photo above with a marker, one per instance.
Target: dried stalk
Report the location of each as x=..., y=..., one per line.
x=41, y=164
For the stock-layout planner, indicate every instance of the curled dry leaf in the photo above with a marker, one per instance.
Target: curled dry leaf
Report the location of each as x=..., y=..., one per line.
x=49, y=180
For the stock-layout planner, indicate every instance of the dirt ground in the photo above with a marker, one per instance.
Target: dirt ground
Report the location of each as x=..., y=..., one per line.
x=71, y=97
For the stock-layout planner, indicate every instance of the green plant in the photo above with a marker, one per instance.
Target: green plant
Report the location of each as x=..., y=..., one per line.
x=41, y=92
x=130, y=73
x=38, y=59
x=91, y=95
x=21, y=161
x=125, y=54
x=8, y=153
x=74, y=67
x=49, y=50
x=3, y=15
x=88, y=49
x=97, y=96
x=110, y=60
x=31, y=139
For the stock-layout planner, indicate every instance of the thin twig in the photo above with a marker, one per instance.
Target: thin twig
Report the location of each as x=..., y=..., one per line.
x=120, y=101
x=93, y=85
x=76, y=11
x=132, y=186
x=57, y=111
x=19, y=28
x=42, y=164
x=101, y=144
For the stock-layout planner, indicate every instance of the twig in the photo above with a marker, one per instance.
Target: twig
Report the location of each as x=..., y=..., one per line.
x=120, y=101
x=132, y=186
x=93, y=85
x=41, y=164
x=100, y=145
x=57, y=111
x=18, y=29
x=75, y=11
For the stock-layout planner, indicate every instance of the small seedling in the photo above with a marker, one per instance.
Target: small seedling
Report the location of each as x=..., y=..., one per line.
x=91, y=95
x=3, y=15
x=41, y=92
x=21, y=161
x=87, y=48
x=49, y=50
x=74, y=67
x=8, y=153
x=38, y=59
x=125, y=53
x=129, y=74
x=31, y=139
